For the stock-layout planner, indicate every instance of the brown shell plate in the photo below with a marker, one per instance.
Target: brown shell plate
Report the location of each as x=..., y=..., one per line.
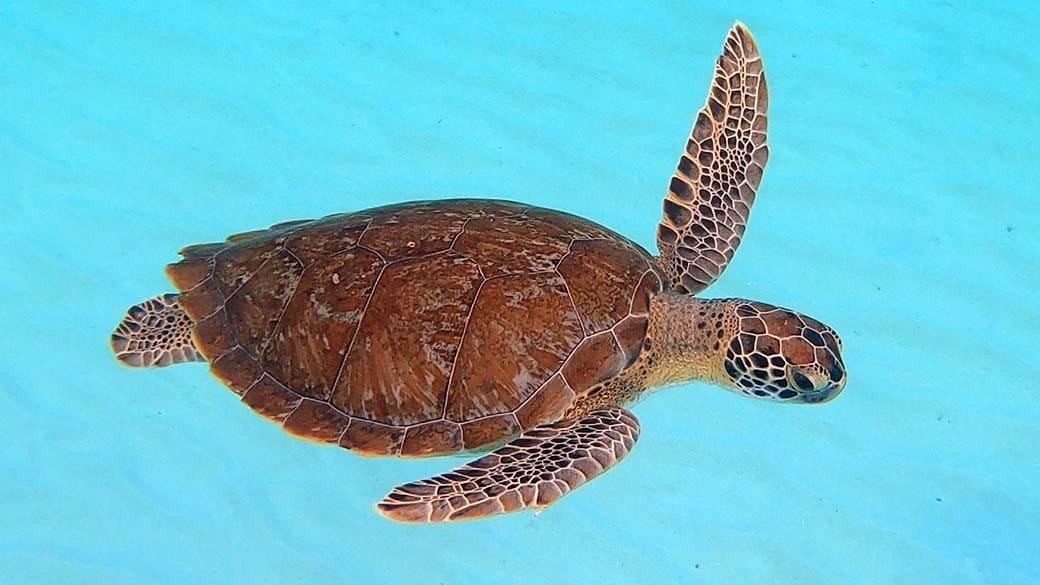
x=418, y=329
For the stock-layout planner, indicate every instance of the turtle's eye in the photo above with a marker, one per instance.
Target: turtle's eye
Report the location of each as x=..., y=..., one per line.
x=801, y=381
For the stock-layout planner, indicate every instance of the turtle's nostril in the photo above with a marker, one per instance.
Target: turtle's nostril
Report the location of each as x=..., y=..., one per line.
x=836, y=373
x=839, y=385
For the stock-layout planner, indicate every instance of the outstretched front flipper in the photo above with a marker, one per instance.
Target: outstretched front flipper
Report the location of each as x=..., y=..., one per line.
x=155, y=333
x=533, y=471
x=710, y=196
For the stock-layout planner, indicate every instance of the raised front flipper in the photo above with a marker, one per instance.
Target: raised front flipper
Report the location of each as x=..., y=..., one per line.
x=155, y=333
x=533, y=471
x=710, y=196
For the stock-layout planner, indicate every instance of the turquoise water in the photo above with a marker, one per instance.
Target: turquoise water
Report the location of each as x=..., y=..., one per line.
x=899, y=206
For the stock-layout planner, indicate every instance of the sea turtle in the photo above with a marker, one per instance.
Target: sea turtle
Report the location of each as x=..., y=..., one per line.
x=434, y=327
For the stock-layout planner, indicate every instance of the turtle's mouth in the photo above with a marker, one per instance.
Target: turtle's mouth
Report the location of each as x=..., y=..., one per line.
x=825, y=394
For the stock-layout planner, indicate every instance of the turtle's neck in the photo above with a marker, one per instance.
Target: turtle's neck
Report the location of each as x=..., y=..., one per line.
x=689, y=337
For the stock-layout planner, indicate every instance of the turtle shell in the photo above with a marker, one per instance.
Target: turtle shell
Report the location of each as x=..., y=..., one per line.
x=418, y=329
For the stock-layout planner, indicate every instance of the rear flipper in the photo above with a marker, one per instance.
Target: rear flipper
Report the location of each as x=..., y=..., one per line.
x=533, y=471
x=155, y=333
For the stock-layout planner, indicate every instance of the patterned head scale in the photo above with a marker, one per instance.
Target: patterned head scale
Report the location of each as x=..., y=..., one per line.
x=782, y=355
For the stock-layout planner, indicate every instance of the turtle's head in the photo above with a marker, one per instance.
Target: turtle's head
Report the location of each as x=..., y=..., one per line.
x=779, y=354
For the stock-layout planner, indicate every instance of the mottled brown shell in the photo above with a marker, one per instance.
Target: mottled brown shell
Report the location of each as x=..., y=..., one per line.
x=418, y=329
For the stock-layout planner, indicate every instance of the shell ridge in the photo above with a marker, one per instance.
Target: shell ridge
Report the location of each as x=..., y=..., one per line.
x=353, y=336
x=462, y=339
x=285, y=306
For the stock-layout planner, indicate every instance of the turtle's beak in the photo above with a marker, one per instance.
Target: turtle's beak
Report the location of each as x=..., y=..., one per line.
x=825, y=394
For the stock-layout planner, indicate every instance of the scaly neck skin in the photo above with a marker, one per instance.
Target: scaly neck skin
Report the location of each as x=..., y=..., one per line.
x=685, y=338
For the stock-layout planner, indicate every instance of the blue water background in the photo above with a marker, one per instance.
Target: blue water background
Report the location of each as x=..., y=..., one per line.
x=900, y=206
